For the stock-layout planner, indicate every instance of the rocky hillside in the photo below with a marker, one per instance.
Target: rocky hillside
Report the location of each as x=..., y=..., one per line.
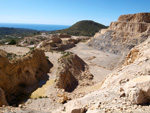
x=83, y=28
x=16, y=32
x=125, y=90
x=20, y=77
x=122, y=35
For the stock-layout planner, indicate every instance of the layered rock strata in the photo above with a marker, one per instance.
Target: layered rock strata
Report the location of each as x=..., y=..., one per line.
x=124, y=34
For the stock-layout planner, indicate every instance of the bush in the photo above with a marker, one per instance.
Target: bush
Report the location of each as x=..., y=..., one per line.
x=12, y=42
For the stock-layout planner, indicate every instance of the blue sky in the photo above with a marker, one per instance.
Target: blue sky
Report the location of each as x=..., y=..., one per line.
x=67, y=12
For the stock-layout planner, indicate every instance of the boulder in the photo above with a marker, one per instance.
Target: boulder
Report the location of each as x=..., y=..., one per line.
x=138, y=90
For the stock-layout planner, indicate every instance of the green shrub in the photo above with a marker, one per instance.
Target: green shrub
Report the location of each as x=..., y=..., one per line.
x=32, y=42
x=12, y=42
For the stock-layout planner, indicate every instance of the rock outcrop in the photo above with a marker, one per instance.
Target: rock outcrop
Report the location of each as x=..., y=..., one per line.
x=56, y=42
x=138, y=90
x=134, y=76
x=124, y=89
x=140, y=17
x=72, y=71
x=19, y=78
x=132, y=56
x=122, y=35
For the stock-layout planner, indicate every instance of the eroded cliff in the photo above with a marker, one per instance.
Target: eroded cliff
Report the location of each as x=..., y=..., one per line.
x=20, y=77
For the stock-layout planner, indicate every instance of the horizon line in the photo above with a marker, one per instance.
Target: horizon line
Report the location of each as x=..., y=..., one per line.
x=33, y=23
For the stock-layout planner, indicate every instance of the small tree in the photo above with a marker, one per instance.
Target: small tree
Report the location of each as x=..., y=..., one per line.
x=12, y=42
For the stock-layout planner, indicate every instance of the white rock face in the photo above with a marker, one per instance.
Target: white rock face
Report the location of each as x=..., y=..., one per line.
x=138, y=90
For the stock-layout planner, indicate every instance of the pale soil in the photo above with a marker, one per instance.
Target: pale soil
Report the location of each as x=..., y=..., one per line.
x=100, y=63
x=14, y=49
x=53, y=57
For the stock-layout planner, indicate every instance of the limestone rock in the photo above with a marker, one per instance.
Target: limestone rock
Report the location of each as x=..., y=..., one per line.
x=139, y=17
x=21, y=77
x=132, y=56
x=124, y=34
x=63, y=99
x=72, y=71
x=138, y=90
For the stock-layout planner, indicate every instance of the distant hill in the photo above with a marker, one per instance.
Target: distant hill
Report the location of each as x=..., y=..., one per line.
x=16, y=32
x=83, y=28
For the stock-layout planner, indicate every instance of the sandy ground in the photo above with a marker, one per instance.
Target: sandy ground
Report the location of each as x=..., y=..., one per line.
x=100, y=63
x=14, y=49
x=53, y=57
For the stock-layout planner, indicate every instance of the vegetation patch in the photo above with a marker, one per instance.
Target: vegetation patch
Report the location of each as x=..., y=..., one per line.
x=6, y=32
x=66, y=53
x=11, y=56
x=83, y=28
